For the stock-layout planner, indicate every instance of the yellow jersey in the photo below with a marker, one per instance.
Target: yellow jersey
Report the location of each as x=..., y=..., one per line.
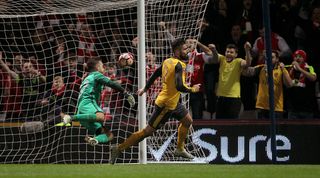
x=229, y=77
x=263, y=89
x=173, y=83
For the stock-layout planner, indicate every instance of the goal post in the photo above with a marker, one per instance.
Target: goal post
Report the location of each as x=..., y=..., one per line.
x=46, y=43
x=142, y=116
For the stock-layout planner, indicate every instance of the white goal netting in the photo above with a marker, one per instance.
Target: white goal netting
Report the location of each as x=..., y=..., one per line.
x=44, y=46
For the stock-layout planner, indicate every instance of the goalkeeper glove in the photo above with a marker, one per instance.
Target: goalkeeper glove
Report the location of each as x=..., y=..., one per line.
x=130, y=98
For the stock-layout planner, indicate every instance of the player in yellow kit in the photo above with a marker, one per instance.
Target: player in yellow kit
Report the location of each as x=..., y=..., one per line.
x=173, y=73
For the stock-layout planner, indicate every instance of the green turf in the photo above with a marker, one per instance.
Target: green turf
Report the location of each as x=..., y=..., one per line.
x=158, y=171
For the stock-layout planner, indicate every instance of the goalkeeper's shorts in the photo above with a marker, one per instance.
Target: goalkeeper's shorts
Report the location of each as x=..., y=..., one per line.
x=89, y=107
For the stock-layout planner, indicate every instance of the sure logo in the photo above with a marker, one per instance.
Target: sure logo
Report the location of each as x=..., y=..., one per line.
x=247, y=148
x=244, y=145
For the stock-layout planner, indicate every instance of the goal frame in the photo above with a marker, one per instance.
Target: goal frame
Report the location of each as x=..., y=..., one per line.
x=142, y=115
x=55, y=142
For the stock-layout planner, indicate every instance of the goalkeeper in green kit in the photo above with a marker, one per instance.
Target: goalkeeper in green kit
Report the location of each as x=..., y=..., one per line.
x=88, y=113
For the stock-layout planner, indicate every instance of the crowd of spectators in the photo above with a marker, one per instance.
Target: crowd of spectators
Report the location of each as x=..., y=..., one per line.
x=295, y=25
x=43, y=62
x=38, y=50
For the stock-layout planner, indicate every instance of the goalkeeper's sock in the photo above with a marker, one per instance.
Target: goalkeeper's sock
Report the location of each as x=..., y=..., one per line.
x=132, y=140
x=182, y=135
x=102, y=138
x=84, y=117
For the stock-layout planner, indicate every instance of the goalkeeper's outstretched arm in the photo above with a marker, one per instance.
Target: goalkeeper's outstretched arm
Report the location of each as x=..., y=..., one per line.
x=115, y=85
x=107, y=82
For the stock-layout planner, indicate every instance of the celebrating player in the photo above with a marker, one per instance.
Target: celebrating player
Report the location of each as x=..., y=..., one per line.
x=167, y=103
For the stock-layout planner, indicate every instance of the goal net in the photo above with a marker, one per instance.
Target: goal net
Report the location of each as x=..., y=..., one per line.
x=44, y=46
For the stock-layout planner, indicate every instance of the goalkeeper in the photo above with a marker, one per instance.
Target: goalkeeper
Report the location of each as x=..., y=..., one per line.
x=89, y=114
x=173, y=72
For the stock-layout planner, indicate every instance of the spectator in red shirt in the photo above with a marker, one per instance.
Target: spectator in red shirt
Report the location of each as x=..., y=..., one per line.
x=58, y=99
x=195, y=69
x=277, y=43
x=301, y=96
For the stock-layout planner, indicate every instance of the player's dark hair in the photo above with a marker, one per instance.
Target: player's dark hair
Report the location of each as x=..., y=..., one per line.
x=176, y=44
x=91, y=63
x=232, y=46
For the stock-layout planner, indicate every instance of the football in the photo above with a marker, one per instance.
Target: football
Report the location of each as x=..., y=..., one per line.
x=126, y=59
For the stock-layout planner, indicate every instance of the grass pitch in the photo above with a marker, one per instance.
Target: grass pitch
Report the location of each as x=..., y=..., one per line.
x=157, y=171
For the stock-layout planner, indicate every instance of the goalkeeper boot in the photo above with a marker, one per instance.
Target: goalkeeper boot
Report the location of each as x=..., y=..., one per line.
x=183, y=153
x=66, y=119
x=91, y=141
x=114, y=154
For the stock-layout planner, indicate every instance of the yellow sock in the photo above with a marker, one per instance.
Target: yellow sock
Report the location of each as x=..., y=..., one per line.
x=182, y=135
x=132, y=140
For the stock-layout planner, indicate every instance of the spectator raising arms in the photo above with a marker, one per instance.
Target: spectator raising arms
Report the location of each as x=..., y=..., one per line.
x=197, y=61
x=30, y=81
x=229, y=102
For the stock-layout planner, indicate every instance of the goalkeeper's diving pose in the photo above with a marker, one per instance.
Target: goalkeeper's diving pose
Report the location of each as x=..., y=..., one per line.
x=173, y=73
x=88, y=113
